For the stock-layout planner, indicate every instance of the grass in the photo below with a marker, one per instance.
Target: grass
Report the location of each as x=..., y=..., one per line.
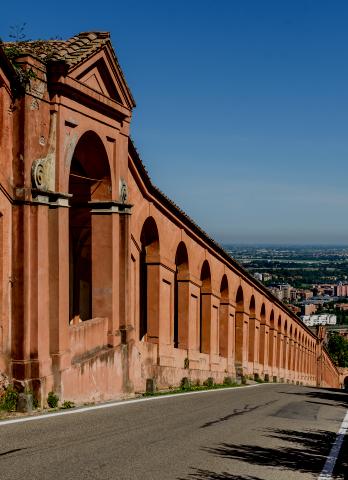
x=192, y=388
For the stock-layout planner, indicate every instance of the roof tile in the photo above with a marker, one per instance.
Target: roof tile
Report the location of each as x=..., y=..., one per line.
x=72, y=50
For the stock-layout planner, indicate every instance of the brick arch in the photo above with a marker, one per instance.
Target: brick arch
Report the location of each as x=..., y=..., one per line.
x=239, y=299
x=181, y=297
x=241, y=332
x=149, y=283
x=225, y=319
x=253, y=337
x=252, y=307
x=279, y=346
x=263, y=313
x=205, y=308
x=90, y=236
x=181, y=259
x=96, y=150
x=272, y=344
x=224, y=288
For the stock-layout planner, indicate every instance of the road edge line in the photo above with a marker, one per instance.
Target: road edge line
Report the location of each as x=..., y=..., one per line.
x=119, y=403
x=331, y=460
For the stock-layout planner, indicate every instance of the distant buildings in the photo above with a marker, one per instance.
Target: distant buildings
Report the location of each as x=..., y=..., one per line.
x=343, y=307
x=282, y=291
x=309, y=309
x=258, y=276
x=324, y=319
x=342, y=290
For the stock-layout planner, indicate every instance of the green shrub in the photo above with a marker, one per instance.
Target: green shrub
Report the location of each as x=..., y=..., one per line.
x=209, y=382
x=185, y=383
x=52, y=400
x=67, y=404
x=28, y=391
x=9, y=400
x=228, y=381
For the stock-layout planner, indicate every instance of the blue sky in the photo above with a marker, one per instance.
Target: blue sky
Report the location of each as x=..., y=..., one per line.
x=242, y=106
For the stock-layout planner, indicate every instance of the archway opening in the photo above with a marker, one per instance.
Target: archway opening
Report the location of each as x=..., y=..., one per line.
x=253, y=332
x=181, y=272
x=205, y=309
x=241, y=346
x=271, y=341
x=89, y=181
x=149, y=241
x=224, y=318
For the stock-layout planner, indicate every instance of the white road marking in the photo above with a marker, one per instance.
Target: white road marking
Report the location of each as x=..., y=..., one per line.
x=118, y=403
x=326, y=473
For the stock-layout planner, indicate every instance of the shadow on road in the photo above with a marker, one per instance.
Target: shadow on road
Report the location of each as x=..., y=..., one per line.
x=302, y=451
x=235, y=413
x=335, y=395
x=309, y=454
x=199, y=474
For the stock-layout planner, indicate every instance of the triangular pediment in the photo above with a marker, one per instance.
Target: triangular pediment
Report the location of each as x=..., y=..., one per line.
x=98, y=77
x=102, y=73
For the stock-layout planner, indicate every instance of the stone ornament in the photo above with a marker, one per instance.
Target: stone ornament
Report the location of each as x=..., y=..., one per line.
x=42, y=172
x=123, y=191
x=39, y=175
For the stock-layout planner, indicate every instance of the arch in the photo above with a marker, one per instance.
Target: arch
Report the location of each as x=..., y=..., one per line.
x=149, y=237
x=279, y=345
x=149, y=247
x=224, y=328
x=90, y=236
x=285, y=346
x=254, y=329
x=180, y=298
x=263, y=313
x=224, y=289
x=206, y=276
x=345, y=382
x=291, y=348
x=90, y=175
x=240, y=299
x=264, y=340
x=205, y=308
x=241, y=333
x=272, y=342
x=252, y=307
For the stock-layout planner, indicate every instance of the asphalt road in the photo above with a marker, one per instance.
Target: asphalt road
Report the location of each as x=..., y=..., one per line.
x=263, y=432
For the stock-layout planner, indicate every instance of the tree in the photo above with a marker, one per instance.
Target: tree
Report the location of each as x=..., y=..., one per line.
x=338, y=349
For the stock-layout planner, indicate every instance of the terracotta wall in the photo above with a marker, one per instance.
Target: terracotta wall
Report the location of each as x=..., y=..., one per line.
x=166, y=301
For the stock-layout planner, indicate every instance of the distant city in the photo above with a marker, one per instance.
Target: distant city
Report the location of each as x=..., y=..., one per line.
x=311, y=280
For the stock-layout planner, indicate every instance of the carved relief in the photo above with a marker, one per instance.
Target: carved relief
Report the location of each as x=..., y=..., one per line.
x=43, y=169
x=123, y=191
